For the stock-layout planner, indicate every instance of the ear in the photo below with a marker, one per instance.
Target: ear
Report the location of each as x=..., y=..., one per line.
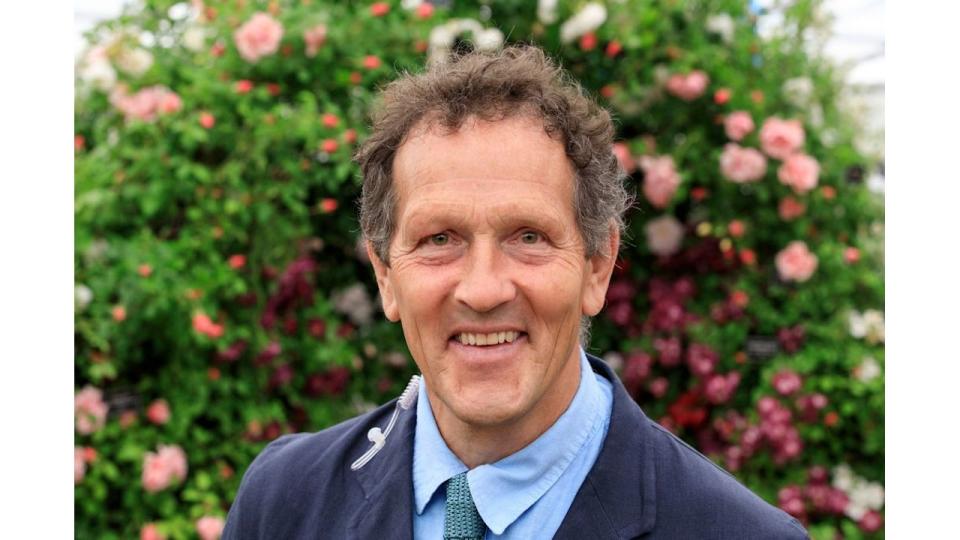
x=382, y=272
x=600, y=268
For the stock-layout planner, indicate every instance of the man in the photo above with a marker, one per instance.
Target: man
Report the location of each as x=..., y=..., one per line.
x=492, y=209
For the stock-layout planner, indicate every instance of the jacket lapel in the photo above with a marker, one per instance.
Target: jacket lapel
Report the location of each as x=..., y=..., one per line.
x=618, y=497
x=386, y=481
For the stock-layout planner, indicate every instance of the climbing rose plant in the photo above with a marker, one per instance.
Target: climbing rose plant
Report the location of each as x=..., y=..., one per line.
x=222, y=298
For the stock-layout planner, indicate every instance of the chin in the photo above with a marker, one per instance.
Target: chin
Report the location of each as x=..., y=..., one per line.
x=487, y=405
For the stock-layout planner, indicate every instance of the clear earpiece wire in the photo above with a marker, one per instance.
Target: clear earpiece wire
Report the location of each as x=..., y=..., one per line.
x=378, y=437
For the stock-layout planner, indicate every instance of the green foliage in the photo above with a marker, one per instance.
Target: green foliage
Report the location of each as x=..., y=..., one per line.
x=232, y=248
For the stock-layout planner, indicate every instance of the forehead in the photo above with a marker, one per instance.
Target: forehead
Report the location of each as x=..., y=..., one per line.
x=483, y=157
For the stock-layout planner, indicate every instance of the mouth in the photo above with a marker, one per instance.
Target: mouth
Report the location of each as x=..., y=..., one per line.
x=487, y=347
x=490, y=339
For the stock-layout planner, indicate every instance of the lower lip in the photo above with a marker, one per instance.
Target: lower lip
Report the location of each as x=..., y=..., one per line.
x=487, y=354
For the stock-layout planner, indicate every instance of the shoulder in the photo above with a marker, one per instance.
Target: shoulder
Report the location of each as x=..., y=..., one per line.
x=693, y=489
x=289, y=455
x=284, y=474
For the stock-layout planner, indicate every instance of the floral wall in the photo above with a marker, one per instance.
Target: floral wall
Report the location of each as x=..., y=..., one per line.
x=222, y=299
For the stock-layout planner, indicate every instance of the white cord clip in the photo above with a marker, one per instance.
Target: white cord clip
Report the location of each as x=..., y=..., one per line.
x=379, y=437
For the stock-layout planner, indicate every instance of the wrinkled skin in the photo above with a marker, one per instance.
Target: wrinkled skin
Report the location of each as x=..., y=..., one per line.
x=487, y=241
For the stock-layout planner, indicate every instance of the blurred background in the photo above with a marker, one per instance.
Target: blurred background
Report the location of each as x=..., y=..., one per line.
x=221, y=299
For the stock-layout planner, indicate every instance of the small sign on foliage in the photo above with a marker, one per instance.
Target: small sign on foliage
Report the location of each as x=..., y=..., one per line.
x=761, y=348
x=121, y=401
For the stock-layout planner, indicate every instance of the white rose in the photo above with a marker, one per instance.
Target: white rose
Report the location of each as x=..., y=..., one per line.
x=798, y=91
x=100, y=74
x=855, y=511
x=872, y=495
x=179, y=11
x=586, y=20
x=722, y=25
x=547, y=11
x=873, y=320
x=858, y=326
x=135, y=61
x=868, y=370
x=664, y=235
x=614, y=360
x=82, y=296
x=410, y=4
x=442, y=36
x=467, y=25
x=489, y=40
x=194, y=38
x=843, y=477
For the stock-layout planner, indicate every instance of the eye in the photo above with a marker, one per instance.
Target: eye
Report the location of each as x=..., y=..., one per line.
x=440, y=239
x=530, y=237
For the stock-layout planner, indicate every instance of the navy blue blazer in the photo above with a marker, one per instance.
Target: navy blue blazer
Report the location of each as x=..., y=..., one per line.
x=646, y=483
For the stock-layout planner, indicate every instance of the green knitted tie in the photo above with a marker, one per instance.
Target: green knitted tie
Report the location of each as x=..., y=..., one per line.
x=462, y=521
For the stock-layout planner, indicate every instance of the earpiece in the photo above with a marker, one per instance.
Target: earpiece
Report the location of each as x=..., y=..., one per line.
x=378, y=437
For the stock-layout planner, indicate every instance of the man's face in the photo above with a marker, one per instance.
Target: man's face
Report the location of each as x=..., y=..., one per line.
x=487, y=272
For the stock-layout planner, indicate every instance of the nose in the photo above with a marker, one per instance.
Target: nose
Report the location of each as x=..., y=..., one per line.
x=487, y=281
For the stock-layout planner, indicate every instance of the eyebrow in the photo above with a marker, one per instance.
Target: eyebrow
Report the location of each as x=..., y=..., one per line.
x=508, y=214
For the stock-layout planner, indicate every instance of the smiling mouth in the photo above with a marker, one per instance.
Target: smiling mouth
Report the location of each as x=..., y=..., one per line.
x=491, y=339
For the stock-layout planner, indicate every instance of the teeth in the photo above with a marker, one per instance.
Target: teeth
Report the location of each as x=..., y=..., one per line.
x=481, y=340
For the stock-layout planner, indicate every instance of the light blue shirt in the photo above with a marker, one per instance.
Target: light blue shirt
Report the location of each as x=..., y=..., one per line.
x=526, y=494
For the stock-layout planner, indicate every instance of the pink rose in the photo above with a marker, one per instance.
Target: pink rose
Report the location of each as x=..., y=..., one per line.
x=800, y=172
x=871, y=521
x=787, y=382
x=719, y=388
x=156, y=476
x=779, y=138
x=315, y=38
x=688, y=87
x=146, y=103
x=140, y=106
x=701, y=360
x=150, y=532
x=623, y=156
x=175, y=458
x=162, y=467
x=169, y=102
x=79, y=465
x=258, y=37
x=791, y=208
x=659, y=386
x=660, y=179
x=738, y=124
x=90, y=412
x=209, y=527
x=203, y=325
x=795, y=262
x=664, y=235
x=742, y=165
x=159, y=412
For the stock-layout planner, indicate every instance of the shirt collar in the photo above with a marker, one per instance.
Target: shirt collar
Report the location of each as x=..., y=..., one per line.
x=433, y=462
x=504, y=490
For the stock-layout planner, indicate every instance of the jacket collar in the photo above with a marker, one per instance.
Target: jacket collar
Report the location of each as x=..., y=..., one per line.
x=386, y=481
x=616, y=500
x=621, y=486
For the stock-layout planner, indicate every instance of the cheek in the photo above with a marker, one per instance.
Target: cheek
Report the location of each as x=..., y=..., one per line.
x=420, y=295
x=555, y=296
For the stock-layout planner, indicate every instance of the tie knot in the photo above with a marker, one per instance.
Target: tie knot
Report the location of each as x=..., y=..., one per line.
x=461, y=519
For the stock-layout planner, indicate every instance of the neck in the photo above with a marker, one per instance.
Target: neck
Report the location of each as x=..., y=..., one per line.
x=477, y=444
